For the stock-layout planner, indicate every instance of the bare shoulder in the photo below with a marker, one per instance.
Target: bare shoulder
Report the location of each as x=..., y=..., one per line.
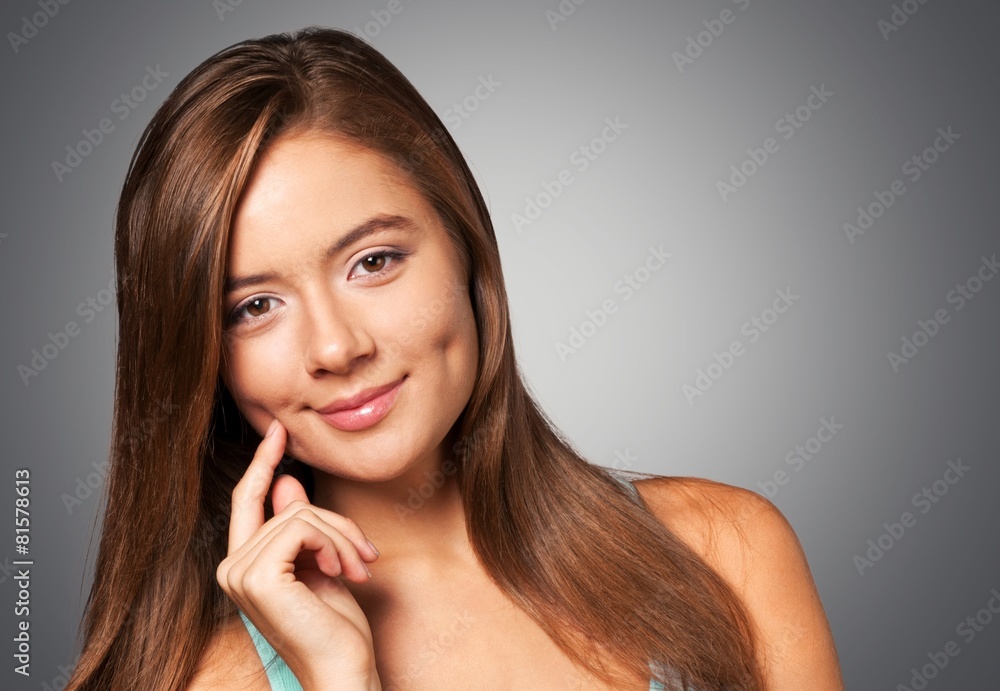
x=710, y=516
x=750, y=543
x=229, y=661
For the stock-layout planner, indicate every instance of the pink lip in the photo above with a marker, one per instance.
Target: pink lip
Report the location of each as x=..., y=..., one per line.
x=362, y=410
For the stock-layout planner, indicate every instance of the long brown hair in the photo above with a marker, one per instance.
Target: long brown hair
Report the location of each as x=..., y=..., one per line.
x=601, y=575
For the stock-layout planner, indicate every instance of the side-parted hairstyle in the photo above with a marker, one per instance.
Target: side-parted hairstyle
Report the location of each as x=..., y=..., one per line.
x=595, y=569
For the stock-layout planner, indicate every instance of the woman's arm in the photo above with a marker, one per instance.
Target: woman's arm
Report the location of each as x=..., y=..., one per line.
x=747, y=540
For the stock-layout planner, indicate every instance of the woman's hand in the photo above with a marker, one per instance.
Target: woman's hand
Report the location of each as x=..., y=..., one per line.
x=283, y=575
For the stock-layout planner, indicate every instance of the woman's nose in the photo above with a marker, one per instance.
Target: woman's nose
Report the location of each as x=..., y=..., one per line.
x=336, y=335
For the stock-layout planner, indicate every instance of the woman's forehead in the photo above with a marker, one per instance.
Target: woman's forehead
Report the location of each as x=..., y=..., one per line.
x=317, y=178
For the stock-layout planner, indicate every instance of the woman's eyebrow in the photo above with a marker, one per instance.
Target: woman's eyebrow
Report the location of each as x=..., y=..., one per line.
x=372, y=225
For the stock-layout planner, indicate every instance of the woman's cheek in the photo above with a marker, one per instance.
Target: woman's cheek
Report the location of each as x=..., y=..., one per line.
x=440, y=325
x=262, y=382
x=447, y=312
x=452, y=336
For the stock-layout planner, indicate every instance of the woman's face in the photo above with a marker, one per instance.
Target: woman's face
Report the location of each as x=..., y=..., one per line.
x=342, y=281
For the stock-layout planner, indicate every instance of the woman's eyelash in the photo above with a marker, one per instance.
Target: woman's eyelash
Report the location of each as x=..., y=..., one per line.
x=394, y=257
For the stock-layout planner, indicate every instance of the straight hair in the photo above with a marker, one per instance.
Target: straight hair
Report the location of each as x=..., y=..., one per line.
x=562, y=539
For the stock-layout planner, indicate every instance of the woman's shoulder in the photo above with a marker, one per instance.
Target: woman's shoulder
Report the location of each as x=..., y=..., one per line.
x=229, y=661
x=728, y=526
x=752, y=546
x=701, y=507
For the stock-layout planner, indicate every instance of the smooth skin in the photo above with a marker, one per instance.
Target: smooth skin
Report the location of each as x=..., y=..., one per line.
x=328, y=325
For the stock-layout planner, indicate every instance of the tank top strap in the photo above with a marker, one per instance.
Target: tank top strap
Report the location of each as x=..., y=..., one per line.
x=626, y=478
x=279, y=674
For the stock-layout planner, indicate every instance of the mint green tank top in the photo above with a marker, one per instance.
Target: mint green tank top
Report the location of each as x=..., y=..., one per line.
x=280, y=675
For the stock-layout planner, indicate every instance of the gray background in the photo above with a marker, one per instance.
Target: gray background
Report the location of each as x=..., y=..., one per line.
x=655, y=184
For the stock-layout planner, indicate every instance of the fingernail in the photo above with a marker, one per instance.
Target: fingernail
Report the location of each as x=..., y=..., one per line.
x=273, y=426
x=374, y=549
x=367, y=570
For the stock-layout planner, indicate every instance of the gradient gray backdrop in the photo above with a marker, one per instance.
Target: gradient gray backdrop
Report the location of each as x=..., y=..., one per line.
x=619, y=397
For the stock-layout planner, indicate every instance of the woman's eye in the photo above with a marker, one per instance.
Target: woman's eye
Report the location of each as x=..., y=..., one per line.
x=377, y=262
x=254, y=308
x=373, y=262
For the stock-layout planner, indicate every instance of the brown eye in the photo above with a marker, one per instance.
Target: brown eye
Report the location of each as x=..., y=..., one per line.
x=256, y=308
x=377, y=265
x=373, y=262
x=251, y=311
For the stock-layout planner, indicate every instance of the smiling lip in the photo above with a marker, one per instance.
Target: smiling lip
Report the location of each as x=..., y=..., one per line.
x=361, y=410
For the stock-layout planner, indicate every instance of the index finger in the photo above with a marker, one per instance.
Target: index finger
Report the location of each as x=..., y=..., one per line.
x=247, y=514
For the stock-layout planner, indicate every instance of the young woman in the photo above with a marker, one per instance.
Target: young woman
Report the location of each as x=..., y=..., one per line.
x=353, y=488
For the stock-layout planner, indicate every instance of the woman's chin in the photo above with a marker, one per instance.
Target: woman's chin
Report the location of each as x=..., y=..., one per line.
x=371, y=470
